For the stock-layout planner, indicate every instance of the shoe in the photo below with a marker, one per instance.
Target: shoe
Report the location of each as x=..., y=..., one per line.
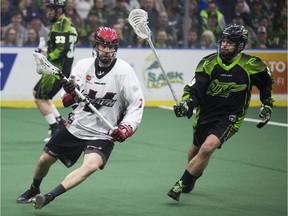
x=176, y=191
x=189, y=188
x=41, y=200
x=52, y=130
x=60, y=120
x=28, y=195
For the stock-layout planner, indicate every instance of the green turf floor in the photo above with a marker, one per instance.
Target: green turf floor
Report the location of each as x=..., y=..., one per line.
x=247, y=177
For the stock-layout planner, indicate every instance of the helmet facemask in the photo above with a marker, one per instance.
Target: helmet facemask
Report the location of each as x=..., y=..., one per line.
x=105, y=40
x=236, y=34
x=229, y=56
x=58, y=6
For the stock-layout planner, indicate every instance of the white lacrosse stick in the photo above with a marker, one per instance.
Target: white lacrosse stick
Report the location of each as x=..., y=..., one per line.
x=43, y=66
x=138, y=19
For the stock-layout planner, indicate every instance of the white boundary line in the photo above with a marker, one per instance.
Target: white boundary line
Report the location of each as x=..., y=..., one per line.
x=246, y=119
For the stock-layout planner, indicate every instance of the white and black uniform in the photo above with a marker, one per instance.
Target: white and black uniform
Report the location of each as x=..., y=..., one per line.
x=118, y=97
x=116, y=92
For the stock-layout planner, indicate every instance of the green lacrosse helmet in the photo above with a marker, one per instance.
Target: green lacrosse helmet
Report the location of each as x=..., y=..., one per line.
x=237, y=34
x=56, y=4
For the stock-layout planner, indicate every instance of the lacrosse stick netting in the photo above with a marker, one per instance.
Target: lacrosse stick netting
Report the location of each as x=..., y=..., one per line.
x=138, y=19
x=43, y=66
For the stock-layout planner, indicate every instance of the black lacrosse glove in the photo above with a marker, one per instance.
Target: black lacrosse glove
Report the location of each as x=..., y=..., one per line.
x=122, y=132
x=69, y=86
x=184, y=108
x=265, y=113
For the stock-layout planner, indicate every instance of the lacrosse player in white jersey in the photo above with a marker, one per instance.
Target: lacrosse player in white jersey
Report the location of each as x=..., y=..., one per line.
x=113, y=88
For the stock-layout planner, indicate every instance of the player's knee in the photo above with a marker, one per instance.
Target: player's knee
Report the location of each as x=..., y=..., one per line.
x=207, y=149
x=91, y=167
x=46, y=160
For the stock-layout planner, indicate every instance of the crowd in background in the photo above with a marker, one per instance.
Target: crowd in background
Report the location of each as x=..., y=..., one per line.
x=174, y=23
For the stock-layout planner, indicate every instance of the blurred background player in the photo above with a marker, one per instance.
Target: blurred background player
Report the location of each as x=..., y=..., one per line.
x=61, y=46
x=221, y=91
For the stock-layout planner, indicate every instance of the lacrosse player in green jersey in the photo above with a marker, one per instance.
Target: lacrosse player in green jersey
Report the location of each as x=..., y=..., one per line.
x=221, y=92
x=61, y=45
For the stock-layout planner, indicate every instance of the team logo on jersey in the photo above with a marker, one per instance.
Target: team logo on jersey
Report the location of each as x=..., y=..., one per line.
x=7, y=61
x=224, y=89
x=107, y=100
x=153, y=76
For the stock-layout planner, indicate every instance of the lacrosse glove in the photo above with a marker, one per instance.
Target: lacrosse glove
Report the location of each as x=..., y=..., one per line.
x=265, y=114
x=69, y=86
x=122, y=132
x=184, y=108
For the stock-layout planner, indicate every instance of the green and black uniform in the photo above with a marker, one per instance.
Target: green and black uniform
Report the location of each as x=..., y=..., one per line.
x=222, y=94
x=61, y=46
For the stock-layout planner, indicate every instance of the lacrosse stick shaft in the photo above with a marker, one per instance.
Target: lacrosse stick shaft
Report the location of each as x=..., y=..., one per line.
x=84, y=99
x=162, y=70
x=45, y=67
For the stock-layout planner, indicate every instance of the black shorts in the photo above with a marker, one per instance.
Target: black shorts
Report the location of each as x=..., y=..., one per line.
x=68, y=148
x=222, y=128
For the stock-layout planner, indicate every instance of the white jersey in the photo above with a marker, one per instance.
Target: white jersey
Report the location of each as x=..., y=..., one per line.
x=118, y=97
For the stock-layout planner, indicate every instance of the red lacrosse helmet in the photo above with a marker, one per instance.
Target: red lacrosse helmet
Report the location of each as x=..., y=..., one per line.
x=106, y=36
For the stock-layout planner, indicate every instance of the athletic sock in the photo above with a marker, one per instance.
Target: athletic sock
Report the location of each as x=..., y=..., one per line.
x=36, y=183
x=58, y=191
x=55, y=111
x=50, y=118
x=187, y=178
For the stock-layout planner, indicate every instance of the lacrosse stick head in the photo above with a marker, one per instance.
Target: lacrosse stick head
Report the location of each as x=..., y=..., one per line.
x=138, y=19
x=43, y=66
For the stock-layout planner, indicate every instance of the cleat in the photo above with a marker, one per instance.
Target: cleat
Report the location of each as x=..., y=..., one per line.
x=176, y=191
x=41, y=200
x=27, y=196
x=52, y=130
x=60, y=120
x=188, y=188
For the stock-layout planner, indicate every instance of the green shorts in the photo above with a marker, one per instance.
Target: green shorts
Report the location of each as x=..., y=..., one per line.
x=47, y=87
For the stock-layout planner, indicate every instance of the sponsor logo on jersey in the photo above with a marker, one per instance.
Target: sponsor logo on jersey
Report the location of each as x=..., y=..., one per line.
x=88, y=77
x=154, y=77
x=7, y=61
x=100, y=73
x=232, y=118
x=99, y=83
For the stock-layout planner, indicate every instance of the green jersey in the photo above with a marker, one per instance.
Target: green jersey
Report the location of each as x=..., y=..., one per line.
x=61, y=42
x=220, y=90
x=61, y=46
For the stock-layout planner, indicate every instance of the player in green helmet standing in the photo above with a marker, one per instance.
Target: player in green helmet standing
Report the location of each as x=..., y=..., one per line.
x=61, y=45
